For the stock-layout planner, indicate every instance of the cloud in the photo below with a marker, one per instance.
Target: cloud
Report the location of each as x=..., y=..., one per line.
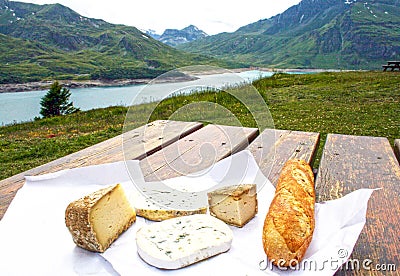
x=210, y=15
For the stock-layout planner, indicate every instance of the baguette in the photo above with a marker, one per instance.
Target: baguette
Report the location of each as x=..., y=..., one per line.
x=290, y=222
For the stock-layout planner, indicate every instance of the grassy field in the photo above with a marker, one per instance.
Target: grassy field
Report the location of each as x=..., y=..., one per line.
x=357, y=103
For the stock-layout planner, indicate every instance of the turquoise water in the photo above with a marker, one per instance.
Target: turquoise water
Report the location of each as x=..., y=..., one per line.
x=25, y=106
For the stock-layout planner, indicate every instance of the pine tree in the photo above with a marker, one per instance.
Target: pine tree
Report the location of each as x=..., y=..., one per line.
x=56, y=102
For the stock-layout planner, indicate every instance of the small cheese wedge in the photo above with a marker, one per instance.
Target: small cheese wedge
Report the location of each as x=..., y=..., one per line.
x=158, y=202
x=98, y=219
x=179, y=242
x=235, y=205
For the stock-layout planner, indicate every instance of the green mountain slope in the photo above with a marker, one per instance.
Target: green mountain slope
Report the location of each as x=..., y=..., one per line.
x=53, y=41
x=340, y=34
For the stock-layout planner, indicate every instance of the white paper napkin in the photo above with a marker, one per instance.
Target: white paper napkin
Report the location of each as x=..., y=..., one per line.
x=35, y=241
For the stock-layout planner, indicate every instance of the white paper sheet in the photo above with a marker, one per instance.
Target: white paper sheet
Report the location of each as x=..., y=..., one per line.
x=33, y=237
x=35, y=241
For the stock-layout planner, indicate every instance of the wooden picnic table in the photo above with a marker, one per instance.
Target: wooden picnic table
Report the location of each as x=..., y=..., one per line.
x=392, y=65
x=168, y=149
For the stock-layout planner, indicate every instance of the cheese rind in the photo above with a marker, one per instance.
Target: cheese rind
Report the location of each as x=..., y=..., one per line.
x=98, y=219
x=179, y=242
x=235, y=205
x=164, y=214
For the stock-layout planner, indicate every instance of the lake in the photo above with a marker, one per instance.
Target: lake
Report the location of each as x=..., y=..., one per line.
x=25, y=106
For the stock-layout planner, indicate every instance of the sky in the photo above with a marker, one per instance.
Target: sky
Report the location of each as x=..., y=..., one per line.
x=211, y=16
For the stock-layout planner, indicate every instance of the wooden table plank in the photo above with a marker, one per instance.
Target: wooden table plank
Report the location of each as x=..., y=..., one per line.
x=197, y=151
x=274, y=147
x=397, y=149
x=137, y=144
x=353, y=162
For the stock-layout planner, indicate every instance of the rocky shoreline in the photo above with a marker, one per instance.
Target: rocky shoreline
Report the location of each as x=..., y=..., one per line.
x=45, y=85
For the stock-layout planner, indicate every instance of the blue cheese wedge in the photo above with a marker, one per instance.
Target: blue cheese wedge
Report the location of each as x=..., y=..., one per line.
x=158, y=202
x=179, y=242
x=236, y=205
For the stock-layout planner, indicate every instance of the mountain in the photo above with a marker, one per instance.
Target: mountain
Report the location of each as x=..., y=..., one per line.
x=153, y=34
x=52, y=41
x=342, y=34
x=173, y=37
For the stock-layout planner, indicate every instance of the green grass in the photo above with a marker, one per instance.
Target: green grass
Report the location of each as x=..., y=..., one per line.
x=356, y=103
x=27, y=145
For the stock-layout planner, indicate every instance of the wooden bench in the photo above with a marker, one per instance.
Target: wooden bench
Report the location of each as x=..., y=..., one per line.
x=167, y=149
x=392, y=65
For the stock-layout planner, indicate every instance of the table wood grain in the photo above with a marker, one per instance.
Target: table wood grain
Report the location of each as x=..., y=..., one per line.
x=349, y=163
x=197, y=151
x=274, y=147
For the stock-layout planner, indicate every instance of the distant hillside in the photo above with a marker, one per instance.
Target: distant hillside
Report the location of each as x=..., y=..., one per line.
x=345, y=34
x=175, y=37
x=53, y=41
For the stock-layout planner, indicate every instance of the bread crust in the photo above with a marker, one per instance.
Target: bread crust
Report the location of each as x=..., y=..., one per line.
x=290, y=222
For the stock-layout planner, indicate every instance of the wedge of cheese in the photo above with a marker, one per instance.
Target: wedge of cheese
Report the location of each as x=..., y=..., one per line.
x=235, y=205
x=98, y=219
x=179, y=242
x=158, y=202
